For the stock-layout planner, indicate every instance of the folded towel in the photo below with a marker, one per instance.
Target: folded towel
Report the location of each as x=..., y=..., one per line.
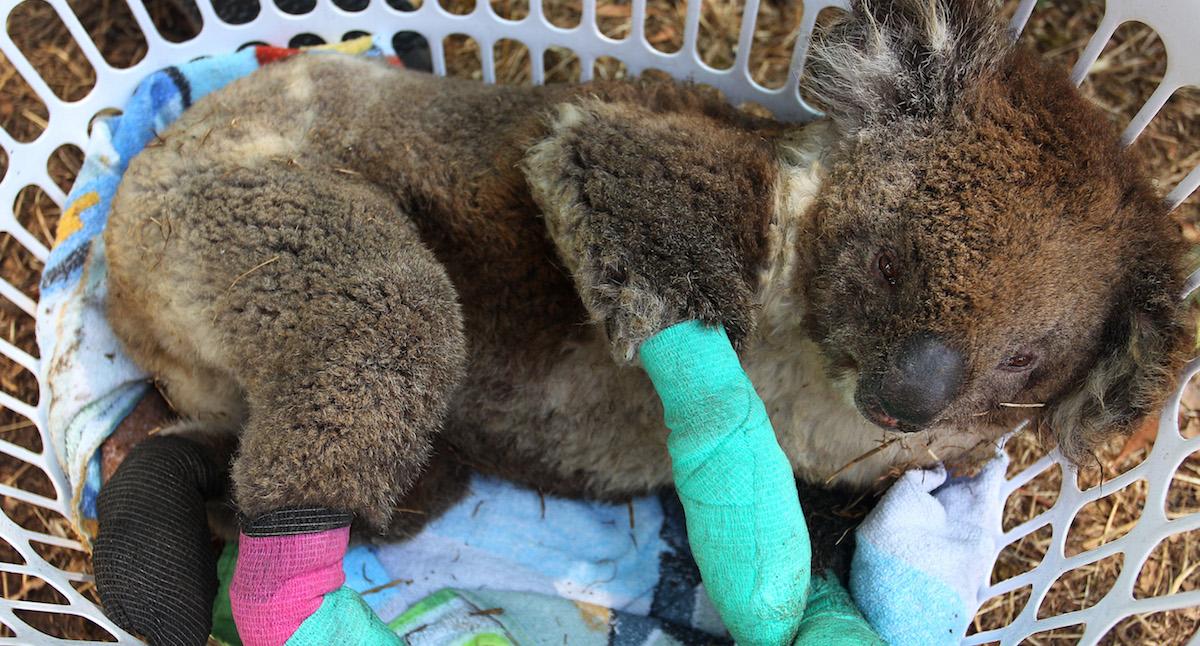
x=924, y=554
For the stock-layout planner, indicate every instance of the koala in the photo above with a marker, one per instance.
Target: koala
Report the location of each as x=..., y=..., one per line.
x=374, y=293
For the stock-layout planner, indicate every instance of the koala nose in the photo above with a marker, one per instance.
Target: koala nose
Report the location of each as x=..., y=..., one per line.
x=924, y=377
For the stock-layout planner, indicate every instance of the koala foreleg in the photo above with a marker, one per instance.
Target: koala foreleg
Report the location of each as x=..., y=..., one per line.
x=661, y=218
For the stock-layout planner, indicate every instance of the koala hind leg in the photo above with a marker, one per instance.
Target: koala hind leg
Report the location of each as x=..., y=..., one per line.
x=313, y=291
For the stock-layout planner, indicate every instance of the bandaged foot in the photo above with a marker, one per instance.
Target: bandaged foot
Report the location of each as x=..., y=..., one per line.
x=287, y=586
x=154, y=558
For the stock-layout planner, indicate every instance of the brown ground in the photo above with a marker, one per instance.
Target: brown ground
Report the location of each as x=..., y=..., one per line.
x=1122, y=79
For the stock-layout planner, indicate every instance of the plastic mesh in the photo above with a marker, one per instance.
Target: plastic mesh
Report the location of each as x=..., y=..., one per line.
x=559, y=47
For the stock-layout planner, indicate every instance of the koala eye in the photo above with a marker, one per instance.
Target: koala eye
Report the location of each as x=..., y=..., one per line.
x=1018, y=362
x=886, y=267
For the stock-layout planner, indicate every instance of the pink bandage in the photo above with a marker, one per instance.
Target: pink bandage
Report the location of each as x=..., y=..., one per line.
x=281, y=580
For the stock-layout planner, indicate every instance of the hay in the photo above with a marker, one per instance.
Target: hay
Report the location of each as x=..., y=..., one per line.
x=1124, y=76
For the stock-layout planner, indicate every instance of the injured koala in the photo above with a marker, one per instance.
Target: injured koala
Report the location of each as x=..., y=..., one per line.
x=372, y=298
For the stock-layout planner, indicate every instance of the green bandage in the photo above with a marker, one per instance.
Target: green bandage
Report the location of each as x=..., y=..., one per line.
x=832, y=619
x=738, y=492
x=343, y=619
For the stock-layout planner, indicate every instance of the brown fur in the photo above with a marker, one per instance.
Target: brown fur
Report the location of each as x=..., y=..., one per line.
x=347, y=283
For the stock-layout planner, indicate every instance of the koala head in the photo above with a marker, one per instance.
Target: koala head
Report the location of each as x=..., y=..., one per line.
x=983, y=248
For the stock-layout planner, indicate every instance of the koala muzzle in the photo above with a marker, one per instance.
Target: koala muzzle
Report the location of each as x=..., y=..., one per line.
x=924, y=377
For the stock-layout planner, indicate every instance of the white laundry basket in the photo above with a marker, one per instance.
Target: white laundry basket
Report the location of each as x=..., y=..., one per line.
x=1177, y=23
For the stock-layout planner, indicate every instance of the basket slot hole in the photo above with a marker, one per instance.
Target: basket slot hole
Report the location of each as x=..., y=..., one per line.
x=1035, y=497
x=561, y=65
x=1127, y=71
x=23, y=115
x=113, y=30
x=1171, y=567
x=63, y=166
x=1183, y=494
x=1164, y=628
x=774, y=39
x=6, y=631
x=756, y=110
x=1120, y=454
x=26, y=477
x=458, y=7
x=236, y=12
x=16, y=428
x=1105, y=520
x=87, y=589
x=1171, y=143
x=1000, y=610
x=1060, y=31
x=413, y=50
x=65, y=626
x=44, y=40
x=3, y=163
x=1023, y=554
x=1065, y=636
x=607, y=68
x=296, y=7
x=9, y=554
x=305, y=40
x=656, y=75
x=19, y=267
x=564, y=13
x=352, y=6
x=405, y=5
x=65, y=559
x=664, y=25
x=462, y=57
x=1082, y=587
x=720, y=22
x=614, y=18
x=354, y=34
x=17, y=328
x=19, y=430
x=513, y=65
x=176, y=20
x=22, y=384
x=32, y=588
x=511, y=9
x=37, y=213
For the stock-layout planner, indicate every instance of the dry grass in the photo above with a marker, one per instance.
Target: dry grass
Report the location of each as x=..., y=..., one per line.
x=1123, y=78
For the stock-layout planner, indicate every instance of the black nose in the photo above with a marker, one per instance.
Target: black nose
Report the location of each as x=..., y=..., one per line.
x=924, y=377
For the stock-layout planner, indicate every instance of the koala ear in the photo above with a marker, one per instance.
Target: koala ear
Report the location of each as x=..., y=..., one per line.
x=1145, y=342
x=889, y=59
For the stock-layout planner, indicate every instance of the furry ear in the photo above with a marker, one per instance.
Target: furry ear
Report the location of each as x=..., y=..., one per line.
x=1143, y=347
x=891, y=59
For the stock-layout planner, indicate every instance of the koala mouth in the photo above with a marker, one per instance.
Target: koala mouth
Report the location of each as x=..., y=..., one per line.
x=880, y=418
x=872, y=408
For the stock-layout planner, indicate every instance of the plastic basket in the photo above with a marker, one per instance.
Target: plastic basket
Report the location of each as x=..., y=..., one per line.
x=1175, y=21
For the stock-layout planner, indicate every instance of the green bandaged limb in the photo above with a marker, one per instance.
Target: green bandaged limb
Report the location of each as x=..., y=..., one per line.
x=743, y=515
x=832, y=619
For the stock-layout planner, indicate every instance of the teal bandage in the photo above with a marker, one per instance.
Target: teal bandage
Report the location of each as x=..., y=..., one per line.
x=738, y=492
x=343, y=619
x=832, y=619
